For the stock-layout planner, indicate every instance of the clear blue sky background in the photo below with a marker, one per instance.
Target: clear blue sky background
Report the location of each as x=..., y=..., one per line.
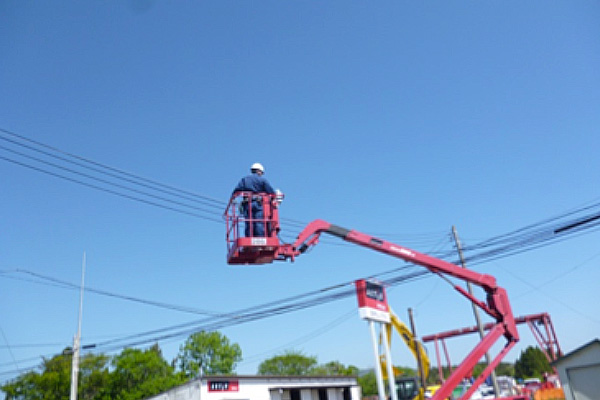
x=395, y=118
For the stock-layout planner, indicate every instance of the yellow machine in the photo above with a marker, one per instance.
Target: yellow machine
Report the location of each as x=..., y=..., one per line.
x=408, y=387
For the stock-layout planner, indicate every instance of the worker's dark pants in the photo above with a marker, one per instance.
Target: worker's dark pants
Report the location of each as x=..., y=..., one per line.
x=257, y=223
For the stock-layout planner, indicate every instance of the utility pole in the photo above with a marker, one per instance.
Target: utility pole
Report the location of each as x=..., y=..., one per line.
x=475, y=310
x=417, y=350
x=77, y=339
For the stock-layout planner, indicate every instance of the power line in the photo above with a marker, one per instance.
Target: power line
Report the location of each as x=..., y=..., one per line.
x=64, y=284
x=287, y=305
x=249, y=314
x=152, y=203
x=291, y=304
x=504, y=250
x=130, y=183
x=9, y=347
x=303, y=339
x=115, y=171
x=518, y=236
x=531, y=237
x=104, y=181
x=155, y=200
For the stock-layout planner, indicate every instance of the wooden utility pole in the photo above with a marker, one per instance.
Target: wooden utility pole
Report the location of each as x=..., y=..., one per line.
x=417, y=350
x=475, y=310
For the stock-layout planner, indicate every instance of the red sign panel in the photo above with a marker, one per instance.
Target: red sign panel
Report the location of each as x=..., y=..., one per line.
x=372, y=301
x=223, y=386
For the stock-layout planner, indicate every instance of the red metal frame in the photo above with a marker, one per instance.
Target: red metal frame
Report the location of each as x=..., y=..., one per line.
x=546, y=339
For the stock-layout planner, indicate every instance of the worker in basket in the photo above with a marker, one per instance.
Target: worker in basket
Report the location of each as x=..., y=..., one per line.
x=255, y=183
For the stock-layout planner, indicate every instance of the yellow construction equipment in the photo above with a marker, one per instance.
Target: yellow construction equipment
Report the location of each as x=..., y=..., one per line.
x=408, y=388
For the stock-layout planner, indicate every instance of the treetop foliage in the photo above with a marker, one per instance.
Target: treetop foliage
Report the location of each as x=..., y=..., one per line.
x=208, y=353
x=136, y=374
x=297, y=363
x=131, y=375
x=532, y=363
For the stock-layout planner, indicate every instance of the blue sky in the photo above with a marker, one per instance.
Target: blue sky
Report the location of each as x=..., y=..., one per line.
x=396, y=118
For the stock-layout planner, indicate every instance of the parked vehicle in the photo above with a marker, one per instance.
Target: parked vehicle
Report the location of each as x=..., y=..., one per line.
x=532, y=384
x=507, y=386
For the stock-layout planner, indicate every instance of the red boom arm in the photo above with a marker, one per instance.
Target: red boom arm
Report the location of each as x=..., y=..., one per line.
x=496, y=304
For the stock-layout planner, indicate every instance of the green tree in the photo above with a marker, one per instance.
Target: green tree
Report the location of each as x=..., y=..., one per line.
x=138, y=374
x=52, y=383
x=210, y=351
x=23, y=387
x=405, y=371
x=532, y=363
x=503, y=368
x=334, y=368
x=289, y=363
x=55, y=380
x=94, y=377
x=368, y=384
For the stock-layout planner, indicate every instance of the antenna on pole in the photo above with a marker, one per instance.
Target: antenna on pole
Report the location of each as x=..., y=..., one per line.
x=77, y=339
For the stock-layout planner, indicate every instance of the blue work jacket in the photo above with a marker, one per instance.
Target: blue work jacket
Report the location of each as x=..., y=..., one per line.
x=254, y=183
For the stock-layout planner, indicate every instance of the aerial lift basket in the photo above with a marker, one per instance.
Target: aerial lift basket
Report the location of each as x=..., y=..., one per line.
x=244, y=245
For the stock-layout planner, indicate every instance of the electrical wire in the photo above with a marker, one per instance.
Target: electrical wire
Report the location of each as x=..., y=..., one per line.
x=287, y=305
x=303, y=339
x=130, y=197
x=126, y=185
x=533, y=236
x=295, y=303
x=60, y=283
x=244, y=316
x=143, y=191
x=9, y=347
x=249, y=314
x=114, y=172
x=104, y=181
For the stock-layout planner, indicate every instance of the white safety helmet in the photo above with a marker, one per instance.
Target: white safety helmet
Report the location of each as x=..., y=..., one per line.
x=257, y=166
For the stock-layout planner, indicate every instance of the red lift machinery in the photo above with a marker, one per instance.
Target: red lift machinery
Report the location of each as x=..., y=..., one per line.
x=262, y=250
x=540, y=325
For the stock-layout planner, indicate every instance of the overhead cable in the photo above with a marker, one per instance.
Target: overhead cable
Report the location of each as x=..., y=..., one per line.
x=115, y=172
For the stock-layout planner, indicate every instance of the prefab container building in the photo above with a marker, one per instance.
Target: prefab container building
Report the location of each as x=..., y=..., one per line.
x=251, y=387
x=579, y=372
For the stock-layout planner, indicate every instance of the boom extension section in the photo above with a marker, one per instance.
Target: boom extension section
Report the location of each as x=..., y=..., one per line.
x=496, y=304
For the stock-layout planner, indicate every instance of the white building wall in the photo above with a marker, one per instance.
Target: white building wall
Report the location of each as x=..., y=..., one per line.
x=263, y=388
x=190, y=391
x=576, y=371
x=255, y=390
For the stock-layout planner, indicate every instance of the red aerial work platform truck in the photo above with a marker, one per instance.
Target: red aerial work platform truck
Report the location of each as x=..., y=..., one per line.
x=262, y=250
